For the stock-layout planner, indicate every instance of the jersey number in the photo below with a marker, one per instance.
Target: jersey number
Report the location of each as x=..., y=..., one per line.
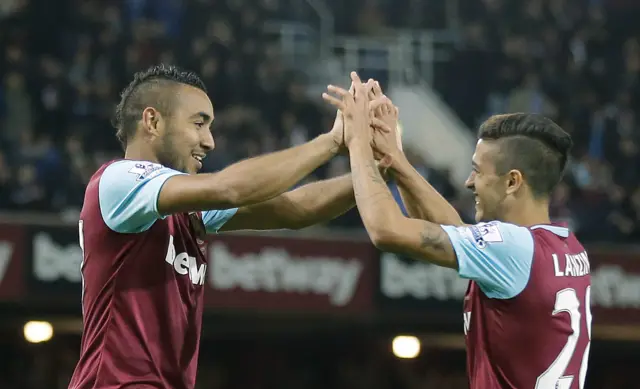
x=567, y=301
x=81, y=241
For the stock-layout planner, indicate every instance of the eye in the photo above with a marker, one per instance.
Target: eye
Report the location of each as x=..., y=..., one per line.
x=200, y=124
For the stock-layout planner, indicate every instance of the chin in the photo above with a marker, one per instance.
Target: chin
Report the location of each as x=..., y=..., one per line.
x=481, y=218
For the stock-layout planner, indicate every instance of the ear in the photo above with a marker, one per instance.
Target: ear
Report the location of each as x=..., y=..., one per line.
x=150, y=119
x=515, y=181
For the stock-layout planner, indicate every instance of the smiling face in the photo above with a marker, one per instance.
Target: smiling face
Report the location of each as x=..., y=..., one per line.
x=184, y=136
x=490, y=189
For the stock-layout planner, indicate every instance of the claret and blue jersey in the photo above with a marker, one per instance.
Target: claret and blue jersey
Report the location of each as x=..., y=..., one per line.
x=128, y=193
x=527, y=316
x=143, y=276
x=496, y=255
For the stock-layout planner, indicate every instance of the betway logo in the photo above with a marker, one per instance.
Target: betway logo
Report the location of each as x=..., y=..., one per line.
x=419, y=280
x=275, y=270
x=52, y=261
x=184, y=264
x=613, y=287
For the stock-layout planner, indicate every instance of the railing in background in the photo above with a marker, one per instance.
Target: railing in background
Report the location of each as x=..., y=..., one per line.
x=406, y=57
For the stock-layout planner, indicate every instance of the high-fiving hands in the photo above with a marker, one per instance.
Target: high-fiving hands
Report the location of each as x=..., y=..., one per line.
x=367, y=115
x=385, y=143
x=354, y=105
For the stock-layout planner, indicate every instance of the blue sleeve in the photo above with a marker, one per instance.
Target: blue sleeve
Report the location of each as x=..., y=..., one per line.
x=498, y=256
x=214, y=220
x=128, y=194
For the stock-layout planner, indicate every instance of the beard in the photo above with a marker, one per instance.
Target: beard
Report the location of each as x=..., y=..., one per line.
x=168, y=156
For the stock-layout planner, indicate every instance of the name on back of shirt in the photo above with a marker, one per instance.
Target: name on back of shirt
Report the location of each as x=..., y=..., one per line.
x=575, y=265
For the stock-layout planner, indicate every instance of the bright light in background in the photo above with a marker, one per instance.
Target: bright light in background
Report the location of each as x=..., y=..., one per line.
x=405, y=346
x=38, y=331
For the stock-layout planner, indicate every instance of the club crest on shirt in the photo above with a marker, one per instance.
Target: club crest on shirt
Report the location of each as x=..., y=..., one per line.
x=144, y=170
x=483, y=233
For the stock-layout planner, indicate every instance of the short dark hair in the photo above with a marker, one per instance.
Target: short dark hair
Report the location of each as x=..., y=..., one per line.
x=532, y=144
x=149, y=88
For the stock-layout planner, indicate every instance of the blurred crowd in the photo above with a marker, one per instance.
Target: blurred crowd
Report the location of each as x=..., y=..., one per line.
x=579, y=63
x=63, y=63
x=568, y=59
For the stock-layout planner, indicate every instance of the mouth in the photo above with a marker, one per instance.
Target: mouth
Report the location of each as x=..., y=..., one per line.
x=198, y=158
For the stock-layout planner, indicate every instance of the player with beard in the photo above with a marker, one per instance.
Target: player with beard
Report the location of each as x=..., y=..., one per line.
x=527, y=316
x=144, y=217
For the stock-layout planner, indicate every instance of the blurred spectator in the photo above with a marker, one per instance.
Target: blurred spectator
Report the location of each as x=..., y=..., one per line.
x=578, y=63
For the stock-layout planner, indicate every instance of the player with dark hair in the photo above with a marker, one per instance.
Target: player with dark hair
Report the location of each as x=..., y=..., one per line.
x=527, y=316
x=144, y=218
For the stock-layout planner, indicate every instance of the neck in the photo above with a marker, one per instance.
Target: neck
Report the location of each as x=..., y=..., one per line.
x=134, y=151
x=529, y=213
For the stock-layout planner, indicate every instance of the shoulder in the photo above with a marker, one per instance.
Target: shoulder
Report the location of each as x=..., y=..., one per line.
x=497, y=255
x=128, y=193
x=127, y=171
x=497, y=235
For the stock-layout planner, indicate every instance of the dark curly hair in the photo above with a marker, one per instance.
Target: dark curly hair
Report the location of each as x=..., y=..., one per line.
x=532, y=144
x=149, y=88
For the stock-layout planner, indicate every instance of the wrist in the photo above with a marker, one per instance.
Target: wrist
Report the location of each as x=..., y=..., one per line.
x=399, y=164
x=328, y=142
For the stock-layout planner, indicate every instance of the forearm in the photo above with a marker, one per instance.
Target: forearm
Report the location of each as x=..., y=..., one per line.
x=308, y=205
x=322, y=201
x=421, y=200
x=247, y=182
x=264, y=177
x=376, y=205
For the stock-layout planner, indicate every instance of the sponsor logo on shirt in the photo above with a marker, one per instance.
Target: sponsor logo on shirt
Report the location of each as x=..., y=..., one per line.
x=185, y=265
x=144, y=170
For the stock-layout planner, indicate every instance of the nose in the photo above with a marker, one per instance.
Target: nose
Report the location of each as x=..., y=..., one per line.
x=469, y=182
x=207, y=143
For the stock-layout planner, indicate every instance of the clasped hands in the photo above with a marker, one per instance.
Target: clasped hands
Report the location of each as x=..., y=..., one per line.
x=365, y=114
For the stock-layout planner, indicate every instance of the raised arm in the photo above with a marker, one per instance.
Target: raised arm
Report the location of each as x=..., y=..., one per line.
x=247, y=182
x=496, y=255
x=305, y=206
x=387, y=227
x=421, y=200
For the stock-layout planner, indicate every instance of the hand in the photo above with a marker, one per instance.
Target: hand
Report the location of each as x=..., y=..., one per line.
x=337, y=131
x=382, y=109
x=355, y=109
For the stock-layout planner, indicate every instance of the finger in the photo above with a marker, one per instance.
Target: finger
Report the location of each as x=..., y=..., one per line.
x=372, y=95
x=377, y=89
x=369, y=87
x=356, y=79
x=338, y=91
x=380, y=102
x=387, y=108
x=379, y=124
x=336, y=102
